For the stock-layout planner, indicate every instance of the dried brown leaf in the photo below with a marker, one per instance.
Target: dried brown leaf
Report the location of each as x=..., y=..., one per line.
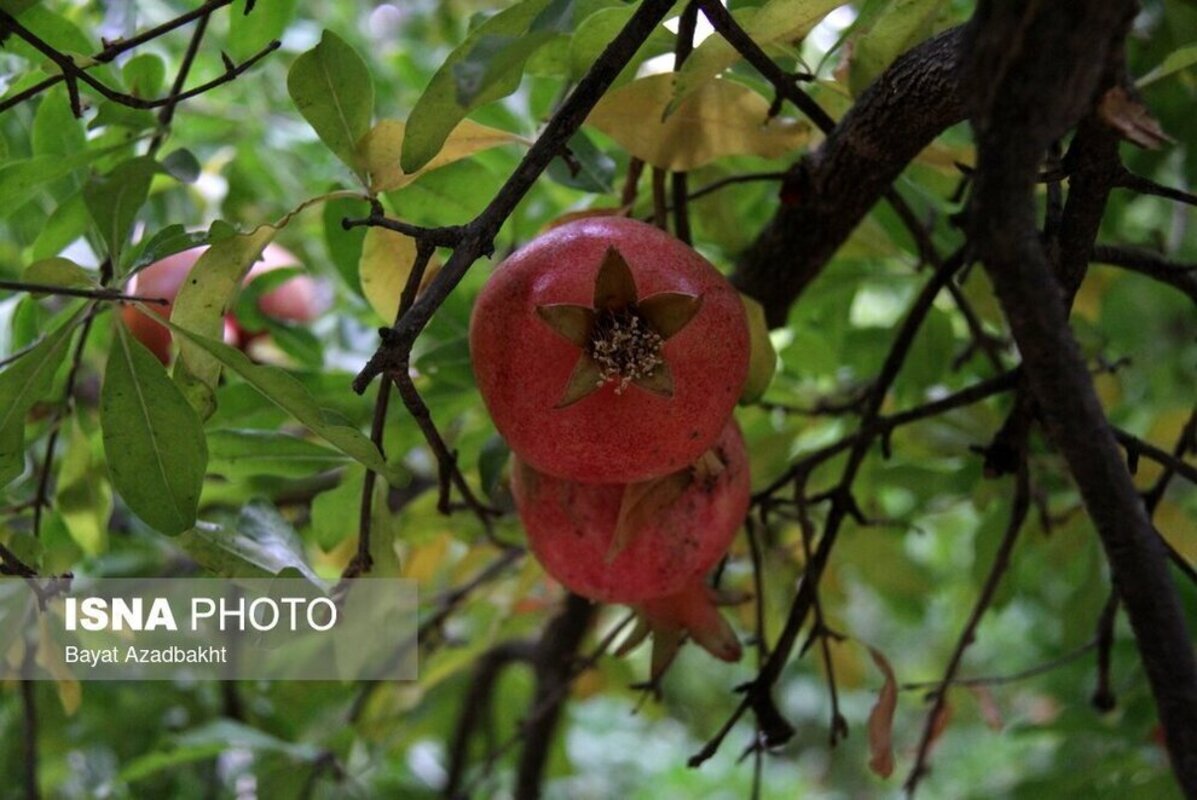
x=1132, y=119
x=989, y=707
x=881, y=720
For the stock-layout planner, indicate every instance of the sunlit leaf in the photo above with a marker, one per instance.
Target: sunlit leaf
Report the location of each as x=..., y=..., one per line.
x=1180, y=59
x=384, y=144
x=387, y=261
x=718, y=119
x=762, y=359
x=21, y=180
x=200, y=307
x=775, y=21
x=901, y=26
x=334, y=91
x=487, y=71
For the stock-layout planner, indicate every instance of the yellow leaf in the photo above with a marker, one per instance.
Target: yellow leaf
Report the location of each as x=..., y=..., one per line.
x=49, y=656
x=383, y=145
x=719, y=119
x=777, y=21
x=387, y=260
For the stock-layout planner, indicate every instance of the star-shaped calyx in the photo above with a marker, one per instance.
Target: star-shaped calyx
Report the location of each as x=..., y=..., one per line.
x=621, y=336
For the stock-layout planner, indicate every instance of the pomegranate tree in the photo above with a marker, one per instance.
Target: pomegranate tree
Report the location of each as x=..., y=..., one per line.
x=608, y=351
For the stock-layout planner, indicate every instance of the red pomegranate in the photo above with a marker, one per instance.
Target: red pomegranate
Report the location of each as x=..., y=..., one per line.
x=300, y=299
x=608, y=351
x=630, y=544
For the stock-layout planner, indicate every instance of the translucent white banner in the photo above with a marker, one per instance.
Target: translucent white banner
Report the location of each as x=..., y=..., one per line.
x=207, y=629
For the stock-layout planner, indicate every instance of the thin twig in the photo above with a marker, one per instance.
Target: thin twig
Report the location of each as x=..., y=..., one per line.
x=114, y=49
x=109, y=295
x=1001, y=560
x=73, y=74
x=168, y=111
x=1137, y=183
x=1001, y=680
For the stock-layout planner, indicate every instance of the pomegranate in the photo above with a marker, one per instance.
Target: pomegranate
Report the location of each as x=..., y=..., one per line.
x=640, y=542
x=300, y=299
x=608, y=352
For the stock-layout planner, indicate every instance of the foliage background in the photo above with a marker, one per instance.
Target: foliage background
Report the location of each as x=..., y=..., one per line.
x=904, y=585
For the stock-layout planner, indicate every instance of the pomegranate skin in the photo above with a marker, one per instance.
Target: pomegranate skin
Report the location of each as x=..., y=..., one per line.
x=300, y=299
x=522, y=366
x=570, y=527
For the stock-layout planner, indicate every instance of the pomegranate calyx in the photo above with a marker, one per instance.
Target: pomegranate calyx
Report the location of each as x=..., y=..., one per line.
x=620, y=338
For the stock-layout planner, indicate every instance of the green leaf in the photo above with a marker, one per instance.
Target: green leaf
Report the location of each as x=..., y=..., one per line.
x=244, y=453
x=344, y=246
x=114, y=200
x=59, y=272
x=899, y=27
x=485, y=67
x=182, y=165
x=249, y=34
x=259, y=543
x=588, y=168
x=335, y=512
x=153, y=439
x=56, y=132
x=21, y=180
x=775, y=21
x=168, y=241
x=26, y=381
x=762, y=359
x=491, y=460
x=292, y=397
x=110, y=112
x=69, y=221
x=596, y=31
x=333, y=90
x=84, y=496
x=1179, y=59
x=145, y=75
x=207, y=742
x=200, y=307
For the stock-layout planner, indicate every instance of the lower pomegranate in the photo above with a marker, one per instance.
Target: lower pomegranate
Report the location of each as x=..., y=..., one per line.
x=644, y=544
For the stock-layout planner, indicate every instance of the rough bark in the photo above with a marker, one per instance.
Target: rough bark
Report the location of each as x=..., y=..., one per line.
x=830, y=190
x=1032, y=72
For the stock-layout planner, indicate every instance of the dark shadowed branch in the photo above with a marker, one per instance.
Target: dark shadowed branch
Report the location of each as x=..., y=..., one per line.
x=1033, y=71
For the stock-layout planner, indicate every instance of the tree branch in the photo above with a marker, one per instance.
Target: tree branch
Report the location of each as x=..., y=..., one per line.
x=831, y=189
x=1153, y=265
x=1032, y=71
x=554, y=672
